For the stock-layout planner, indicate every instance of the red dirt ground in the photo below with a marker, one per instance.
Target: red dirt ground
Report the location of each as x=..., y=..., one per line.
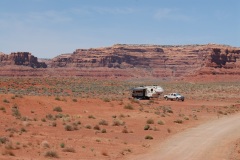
x=40, y=130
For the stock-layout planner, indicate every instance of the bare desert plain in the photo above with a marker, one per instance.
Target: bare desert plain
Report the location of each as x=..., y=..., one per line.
x=87, y=118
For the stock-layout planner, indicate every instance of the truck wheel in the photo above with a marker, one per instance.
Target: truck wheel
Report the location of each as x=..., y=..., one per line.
x=166, y=98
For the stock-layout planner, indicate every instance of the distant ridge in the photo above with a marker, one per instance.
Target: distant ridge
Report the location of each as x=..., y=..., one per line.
x=132, y=61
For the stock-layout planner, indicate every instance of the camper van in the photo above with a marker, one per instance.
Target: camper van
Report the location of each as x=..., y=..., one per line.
x=147, y=92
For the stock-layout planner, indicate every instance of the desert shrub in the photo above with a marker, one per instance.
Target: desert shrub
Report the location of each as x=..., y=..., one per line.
x=79, y=122
x=50, y=117
x=57, y=109
x=134, y=100
x=23, y=130
x=147, y=127
x=124, y=130
x=178, y=121
x=128, y=106
x=6, y=101
x=151, y=101
x=57, y=98
x=62, y=145
x=167, y=109
x=121, y=116
x=51, y=154
x=96, y=127
x=3, y=140
x=106, y=100
x=220, y=112
x=17, y=95
x=103, y=122
x=8, y=152
x=104, y=130
x=24, y=118
x=150, y=121
x=68, y=128
x=88, y=126
x=74, y=100
x=3, y=109
x=45, y=144
x=148, y=137
x=43, y=120
x=186, y=118
x=160, y=122
x=118, y=122
x=91, y=117
x=69, y=149
x=15, y=112
x=54, y=124
x=59, y=115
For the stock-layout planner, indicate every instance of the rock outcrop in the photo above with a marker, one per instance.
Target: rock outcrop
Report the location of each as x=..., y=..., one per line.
x=132, y=61
x=154, y=60
x=21, y=59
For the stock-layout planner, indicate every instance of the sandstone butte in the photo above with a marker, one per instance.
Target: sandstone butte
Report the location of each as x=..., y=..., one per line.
x=130, y=61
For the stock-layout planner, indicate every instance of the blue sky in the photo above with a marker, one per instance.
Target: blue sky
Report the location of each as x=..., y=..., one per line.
x=47, y=28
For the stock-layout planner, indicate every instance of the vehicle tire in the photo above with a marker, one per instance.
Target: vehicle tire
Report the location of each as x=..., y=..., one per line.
x=166, y=98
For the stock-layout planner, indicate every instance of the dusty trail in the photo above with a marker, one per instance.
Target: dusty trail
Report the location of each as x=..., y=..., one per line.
x=207, y=141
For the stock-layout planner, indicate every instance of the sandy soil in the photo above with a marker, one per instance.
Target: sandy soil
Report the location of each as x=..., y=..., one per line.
x=212, y=140
x=101, y=129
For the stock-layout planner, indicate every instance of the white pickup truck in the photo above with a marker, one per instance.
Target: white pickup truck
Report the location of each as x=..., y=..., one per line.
x=174, y=96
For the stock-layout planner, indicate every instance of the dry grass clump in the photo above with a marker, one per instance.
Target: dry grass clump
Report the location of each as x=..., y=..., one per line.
x=117, y=122
x=69, y=149
x=15, y=111
x=148, y=137
x=104, y=130
x=57, y=109
x=103, y=122
x=179, y=121
x=150, y=121
x=51, y=154
x=8, y=152
x=96, y=127
x=160, y=122
x=3, y=140
x=147, y=127
x=69, y=127
x=129, y=106
x=45, y=144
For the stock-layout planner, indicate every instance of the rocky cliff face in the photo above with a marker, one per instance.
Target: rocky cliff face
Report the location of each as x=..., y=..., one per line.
x=21, y=59
x=154, y=60
x=224, y=58
x=157, y=61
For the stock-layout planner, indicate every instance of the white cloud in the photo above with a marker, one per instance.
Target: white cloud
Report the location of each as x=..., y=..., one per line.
x=49, y=16
x=170, y=14
x=102, y=10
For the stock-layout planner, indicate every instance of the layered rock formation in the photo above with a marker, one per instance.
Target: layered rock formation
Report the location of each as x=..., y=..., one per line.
x=157, y=61
x=21, y=59
x=154, y=60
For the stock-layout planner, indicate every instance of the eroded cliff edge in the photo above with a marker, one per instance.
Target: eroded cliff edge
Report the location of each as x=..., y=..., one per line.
x=121, y=60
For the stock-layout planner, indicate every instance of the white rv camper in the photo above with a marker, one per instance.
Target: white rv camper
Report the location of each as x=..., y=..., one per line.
x=147, y=92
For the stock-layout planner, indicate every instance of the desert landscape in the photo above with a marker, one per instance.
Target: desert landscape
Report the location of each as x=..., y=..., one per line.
x=79, y=105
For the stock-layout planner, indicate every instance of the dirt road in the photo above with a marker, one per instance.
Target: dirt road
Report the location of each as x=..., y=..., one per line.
x=212, y=141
